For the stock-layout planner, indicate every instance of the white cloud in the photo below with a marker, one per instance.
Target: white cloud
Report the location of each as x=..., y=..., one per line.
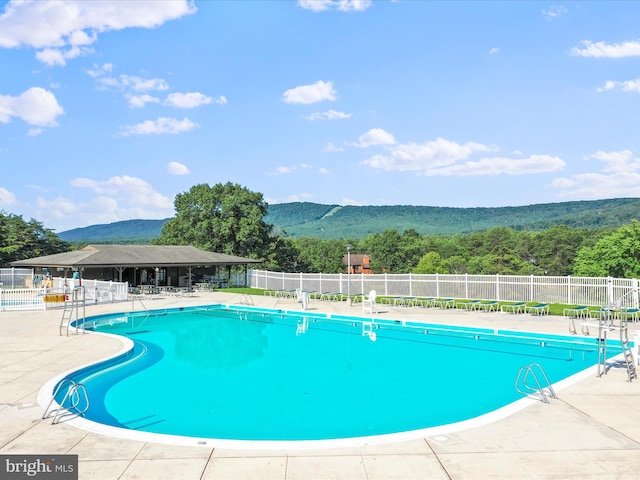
x=619, y=177
x=52, y=56
x=192, y=100
x=300, y=197
x=282, y=170
x=501, y=166
x=162, y=125
x=332, y=148
x=324, y=171
x=177, y=168
x=36, y=106
x=328, y=115
x=424, y=157
x=598, y=185
x=285, y=170
x=607, y=50
x=139, y=101
x=617, y=162
x=306, y=94
x=351, y=201
x=494, y=50
x=554, y=11
x=132, y=82
x=7, y=198
x=375, y=136
x=129, y=190
x=62, y=30
x=116, y=199
x=626, y=86
x=100, y=71
x=342, y=5
x=34, y=132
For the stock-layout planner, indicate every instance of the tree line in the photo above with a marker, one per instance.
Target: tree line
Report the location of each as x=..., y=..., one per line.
x=229, y=218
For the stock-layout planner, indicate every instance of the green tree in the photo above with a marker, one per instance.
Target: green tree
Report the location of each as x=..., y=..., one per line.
x=394, y=253
x=615, y=255
x=20, y=240
x=456, y=265
x=284, y=255
x=431, y=263
x=225, y=218
x=555, y=248
x=323, y=256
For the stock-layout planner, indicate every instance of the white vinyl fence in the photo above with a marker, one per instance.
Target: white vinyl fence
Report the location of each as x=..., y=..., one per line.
x=592, y=291
x=21, y=290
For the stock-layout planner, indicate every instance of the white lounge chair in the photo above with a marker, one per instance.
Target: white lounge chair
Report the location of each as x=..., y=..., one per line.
x=369, y=302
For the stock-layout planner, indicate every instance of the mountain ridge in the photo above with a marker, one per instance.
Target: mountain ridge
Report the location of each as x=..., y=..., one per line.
x=306, y=219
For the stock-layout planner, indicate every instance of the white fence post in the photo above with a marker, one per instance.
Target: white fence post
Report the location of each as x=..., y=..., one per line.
x=610, y=290
x=410, y=285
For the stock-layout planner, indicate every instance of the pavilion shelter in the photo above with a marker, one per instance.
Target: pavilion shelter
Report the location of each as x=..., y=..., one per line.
x=159, y=265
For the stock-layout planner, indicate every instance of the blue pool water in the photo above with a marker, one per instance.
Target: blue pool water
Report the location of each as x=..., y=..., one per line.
x=256, y=374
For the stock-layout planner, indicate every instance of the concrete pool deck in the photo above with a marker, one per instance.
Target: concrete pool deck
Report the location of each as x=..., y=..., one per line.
x=592, y=430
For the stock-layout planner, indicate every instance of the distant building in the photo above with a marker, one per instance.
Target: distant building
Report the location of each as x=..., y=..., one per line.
x=359, y=263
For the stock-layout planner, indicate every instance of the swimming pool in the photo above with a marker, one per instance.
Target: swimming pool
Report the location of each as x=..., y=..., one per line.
x=243, y=373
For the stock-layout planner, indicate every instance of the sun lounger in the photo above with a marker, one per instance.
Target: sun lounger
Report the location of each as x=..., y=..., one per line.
x=425, y=301
x=538, y=309
x=444, y=303
x=579, y=311
x=514, y=308
x=630, y=314
x=491, y=306
x=468, y=305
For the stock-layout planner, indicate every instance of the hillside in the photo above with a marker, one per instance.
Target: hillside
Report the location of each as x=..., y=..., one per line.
x=302, y=219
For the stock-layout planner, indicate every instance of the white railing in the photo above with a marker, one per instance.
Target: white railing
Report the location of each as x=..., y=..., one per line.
x=54, y=294
x=12, y=299
x=96, y=291
x=593, y=291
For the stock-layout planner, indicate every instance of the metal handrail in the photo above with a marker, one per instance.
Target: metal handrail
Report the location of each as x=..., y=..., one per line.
x=523, y=375
x=76, y=392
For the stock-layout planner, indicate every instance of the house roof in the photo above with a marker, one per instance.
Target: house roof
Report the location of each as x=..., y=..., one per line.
x=101, y=256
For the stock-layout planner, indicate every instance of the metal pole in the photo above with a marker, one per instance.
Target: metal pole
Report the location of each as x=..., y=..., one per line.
x=349, y=272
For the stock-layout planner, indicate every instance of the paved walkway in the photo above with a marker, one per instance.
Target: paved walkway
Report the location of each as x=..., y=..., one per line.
x=591, y=432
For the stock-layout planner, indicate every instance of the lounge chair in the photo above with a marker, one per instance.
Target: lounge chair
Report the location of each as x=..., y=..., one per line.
x=425, y=301
x=444, y=303
x=518, y=307
x=579, y=311
x=538, y=309
x=369, y=302
x=490, y=306
x=468, y=305
x=630, y=314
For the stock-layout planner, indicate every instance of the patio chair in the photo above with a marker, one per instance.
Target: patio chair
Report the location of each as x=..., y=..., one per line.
x=490, y=306
x=444, y=303
x=538, y=309
x=369, y=302
x=514, y=308
x=579, y=311
x=468, y=305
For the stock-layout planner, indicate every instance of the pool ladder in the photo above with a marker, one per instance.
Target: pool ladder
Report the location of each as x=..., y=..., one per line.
x=535, y=372
x=73, y=301
x=76, y=395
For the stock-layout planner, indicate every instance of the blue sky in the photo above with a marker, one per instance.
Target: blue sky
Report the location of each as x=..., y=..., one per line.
x=108, y=109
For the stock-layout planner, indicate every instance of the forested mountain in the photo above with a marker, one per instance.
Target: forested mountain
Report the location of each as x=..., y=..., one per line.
x=302, y=219
x=127, y=231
